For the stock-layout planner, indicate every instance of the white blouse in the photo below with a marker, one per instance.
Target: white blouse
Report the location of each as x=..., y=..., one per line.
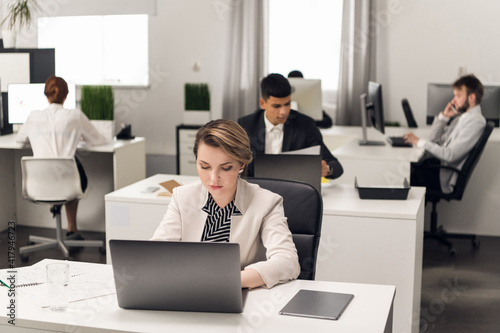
x=56, y=131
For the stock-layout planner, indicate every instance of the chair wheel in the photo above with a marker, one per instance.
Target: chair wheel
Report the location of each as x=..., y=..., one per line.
x=102, y=250
x=475, y=243
x=452, y=252
x=24, y=257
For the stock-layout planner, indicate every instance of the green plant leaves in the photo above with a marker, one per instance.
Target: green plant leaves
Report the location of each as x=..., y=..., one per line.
x=97, y=102
x=19, y=13
x=196, y=96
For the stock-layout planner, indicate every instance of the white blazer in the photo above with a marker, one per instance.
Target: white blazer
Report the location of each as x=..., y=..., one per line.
x=266, y=243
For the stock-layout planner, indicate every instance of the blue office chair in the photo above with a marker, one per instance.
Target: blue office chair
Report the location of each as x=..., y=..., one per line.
x=303, y=206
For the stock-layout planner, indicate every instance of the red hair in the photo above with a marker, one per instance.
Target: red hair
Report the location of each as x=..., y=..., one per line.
x=56, y=89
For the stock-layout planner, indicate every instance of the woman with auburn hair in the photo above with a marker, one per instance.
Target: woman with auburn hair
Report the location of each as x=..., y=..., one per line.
x=223, y=207
x=56, y=132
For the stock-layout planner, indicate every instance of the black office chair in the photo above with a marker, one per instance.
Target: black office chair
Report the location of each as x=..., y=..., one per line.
x=408, y=113
x=304, y=211
x=434, y=196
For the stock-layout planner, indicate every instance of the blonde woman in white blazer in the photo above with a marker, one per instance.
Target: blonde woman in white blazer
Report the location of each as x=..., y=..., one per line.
x=223, y=207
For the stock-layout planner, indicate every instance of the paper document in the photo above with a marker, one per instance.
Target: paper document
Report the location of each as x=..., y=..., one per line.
x=86, y=281
x=314, y=150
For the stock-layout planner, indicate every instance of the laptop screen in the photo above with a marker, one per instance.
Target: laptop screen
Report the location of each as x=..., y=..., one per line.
x=304, y=168
x=177, y=276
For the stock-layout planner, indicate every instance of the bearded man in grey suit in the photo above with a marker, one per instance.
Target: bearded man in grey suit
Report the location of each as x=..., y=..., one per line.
x=454, y=133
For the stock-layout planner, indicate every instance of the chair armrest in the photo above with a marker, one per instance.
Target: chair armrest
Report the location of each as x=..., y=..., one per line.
x=434, y=166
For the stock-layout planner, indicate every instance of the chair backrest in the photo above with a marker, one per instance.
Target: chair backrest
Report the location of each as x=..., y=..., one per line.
x=471, y=162
x=408, y=113
x=50, y=179
x=304, y=211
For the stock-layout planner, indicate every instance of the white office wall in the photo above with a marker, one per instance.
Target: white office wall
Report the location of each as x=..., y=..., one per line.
x=421, y=41
x=181, y=33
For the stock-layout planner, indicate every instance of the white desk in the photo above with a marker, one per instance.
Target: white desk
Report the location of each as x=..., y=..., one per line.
x=108, y=167
x=375, y=241
x=477, y=211
x=369, y=311
x=372, y=165
x=366, y=241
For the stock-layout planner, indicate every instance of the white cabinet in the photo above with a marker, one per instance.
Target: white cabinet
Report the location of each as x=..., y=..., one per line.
x=186, y=162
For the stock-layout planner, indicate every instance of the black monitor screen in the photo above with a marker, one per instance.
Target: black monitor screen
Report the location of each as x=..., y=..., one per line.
x=374, y=106
x=490, y=104
x=438, y=96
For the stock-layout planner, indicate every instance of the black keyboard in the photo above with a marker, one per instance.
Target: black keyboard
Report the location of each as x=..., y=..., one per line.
x=398, y=141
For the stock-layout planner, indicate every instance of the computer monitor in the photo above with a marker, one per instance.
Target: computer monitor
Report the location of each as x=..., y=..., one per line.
x=490, y=104
x=439, y=95
x=24, y=98
x=372, y=110
x=307, y=94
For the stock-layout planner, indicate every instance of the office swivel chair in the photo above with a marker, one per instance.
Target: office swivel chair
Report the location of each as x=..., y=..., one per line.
x=52, y=181
x=434, y=196
x=408, y=113
x=304, y=211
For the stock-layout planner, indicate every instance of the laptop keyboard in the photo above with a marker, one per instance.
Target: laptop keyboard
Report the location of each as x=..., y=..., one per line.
x=398, y=141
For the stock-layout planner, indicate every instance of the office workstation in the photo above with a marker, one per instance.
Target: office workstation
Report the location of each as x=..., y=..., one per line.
x=133, y=213
x=154, y=112
x=109, y=167
x=371, y=310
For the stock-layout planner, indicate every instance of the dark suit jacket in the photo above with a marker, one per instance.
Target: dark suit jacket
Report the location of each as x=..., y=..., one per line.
x=300, y=131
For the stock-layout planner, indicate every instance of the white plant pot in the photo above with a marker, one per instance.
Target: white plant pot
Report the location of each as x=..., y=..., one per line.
x=196, y=117
x=9, y=38
x=105, y=127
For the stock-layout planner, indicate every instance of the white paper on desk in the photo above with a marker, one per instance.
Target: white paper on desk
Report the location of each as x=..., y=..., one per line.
x=84, y=284
x=314, y=150
x=35, y=274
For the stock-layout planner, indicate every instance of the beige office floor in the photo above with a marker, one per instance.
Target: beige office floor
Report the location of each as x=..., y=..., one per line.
x=459, y=294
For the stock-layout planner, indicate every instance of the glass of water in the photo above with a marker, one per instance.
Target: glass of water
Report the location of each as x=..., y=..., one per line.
x=57, y=286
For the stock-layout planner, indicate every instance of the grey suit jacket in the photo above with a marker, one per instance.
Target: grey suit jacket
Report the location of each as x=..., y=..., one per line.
x=452, y=143
x=266, y=243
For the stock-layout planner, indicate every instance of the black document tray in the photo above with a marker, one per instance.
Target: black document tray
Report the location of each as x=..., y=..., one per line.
x=383, y=193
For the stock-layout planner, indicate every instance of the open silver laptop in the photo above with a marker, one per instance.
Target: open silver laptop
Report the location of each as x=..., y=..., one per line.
x=177, y=276
x=304, y=168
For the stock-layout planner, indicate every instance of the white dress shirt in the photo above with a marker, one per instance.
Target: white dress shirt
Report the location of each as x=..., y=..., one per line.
x=274, y=137
x=56, y=131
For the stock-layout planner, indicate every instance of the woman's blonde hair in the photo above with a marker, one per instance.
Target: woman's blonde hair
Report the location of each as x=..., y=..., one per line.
x=228, y=136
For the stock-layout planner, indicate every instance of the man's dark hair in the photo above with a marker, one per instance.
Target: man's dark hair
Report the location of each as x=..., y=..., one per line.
x=275, y=85
x=472, y=86
x=295, y=73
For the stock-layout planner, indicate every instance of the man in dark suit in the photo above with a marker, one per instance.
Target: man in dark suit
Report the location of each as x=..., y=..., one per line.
x=275, y=128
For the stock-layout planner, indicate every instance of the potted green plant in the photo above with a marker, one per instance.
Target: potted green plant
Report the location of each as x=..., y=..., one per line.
x=97, y=102
x=19, y=14
x=196, y=103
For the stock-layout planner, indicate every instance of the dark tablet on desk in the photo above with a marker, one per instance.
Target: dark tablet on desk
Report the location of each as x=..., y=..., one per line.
x=317, y=304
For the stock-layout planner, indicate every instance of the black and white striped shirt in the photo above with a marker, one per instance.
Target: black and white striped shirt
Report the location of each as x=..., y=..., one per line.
x=218, y=223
